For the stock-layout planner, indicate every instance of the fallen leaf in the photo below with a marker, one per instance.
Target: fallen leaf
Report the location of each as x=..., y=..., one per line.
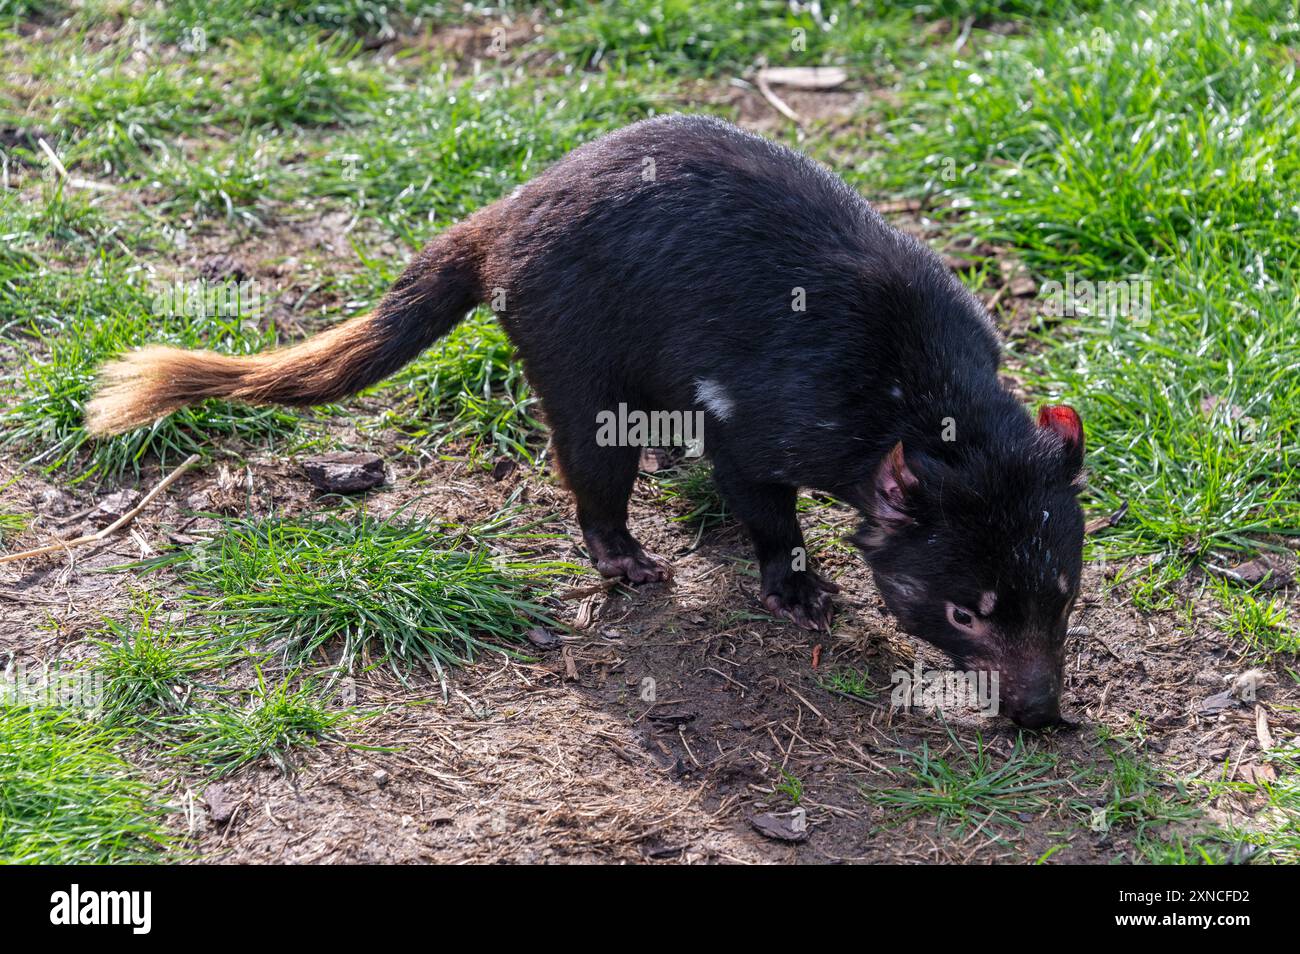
x=1250, y=772
x=1110, y=520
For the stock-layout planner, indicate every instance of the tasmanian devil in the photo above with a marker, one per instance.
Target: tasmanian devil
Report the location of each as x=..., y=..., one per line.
x=683, y=264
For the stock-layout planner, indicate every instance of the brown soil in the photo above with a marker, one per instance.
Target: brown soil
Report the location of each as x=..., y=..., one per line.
x=562, y=759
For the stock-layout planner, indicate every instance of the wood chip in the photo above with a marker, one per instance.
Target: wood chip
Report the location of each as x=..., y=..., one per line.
x=804, y=77
x=1262, y=732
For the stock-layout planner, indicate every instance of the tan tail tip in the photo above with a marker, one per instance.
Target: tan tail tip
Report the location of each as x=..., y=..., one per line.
x=132, y=391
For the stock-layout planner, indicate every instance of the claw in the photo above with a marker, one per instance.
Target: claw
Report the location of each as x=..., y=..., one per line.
x=636, y=568
x=804, y=599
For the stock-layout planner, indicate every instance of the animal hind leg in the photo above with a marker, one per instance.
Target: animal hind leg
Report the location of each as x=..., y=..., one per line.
x=601, y=479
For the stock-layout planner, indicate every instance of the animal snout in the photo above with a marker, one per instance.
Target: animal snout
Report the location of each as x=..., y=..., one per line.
x=1037, y=709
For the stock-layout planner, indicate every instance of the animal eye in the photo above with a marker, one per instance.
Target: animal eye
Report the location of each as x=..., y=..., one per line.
x=970, y=621
x=960, y=617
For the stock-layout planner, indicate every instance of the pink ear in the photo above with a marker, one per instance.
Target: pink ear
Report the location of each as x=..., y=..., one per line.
x=1064, y=422
x=894, y=483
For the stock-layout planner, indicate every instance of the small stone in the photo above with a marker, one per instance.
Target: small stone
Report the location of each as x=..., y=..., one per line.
x=381, y=777
x=782, y=826
x=220, y=807
x=543, y=638
x=345, y=472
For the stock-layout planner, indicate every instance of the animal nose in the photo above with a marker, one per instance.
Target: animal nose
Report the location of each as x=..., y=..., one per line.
x=1040, y=710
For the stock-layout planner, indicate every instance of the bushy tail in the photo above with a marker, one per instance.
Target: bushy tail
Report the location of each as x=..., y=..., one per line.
x=437, y=289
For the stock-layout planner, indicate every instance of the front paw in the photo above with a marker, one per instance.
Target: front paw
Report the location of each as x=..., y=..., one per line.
x=802, y=597
x=636, y=568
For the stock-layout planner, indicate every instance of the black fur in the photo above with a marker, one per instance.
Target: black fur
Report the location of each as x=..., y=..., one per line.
x=659, y=268
x=626, y=287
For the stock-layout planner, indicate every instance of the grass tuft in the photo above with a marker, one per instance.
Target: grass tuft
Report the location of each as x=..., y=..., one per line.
x=470, y=388
x=146, y=672
x=971, y=788
x=362, y=590
x=273, y=723
x=67, y=798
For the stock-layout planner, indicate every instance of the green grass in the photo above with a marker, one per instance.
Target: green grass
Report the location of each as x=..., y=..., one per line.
x=1258, y=620
x=719, y=37
x=967, y=787
x=690, y=488
x=438, y=147
x=66, y=797
x=467, y=389
x=75, y=321
x=226, y=181
x=274, y=723
x=1138, y=798
x=1279, y=837
x=790, y=786
x=1156, y=143
x=224, y=18
x=361, y=591
x=148, y=672
x=849, y=681
x=12, y=524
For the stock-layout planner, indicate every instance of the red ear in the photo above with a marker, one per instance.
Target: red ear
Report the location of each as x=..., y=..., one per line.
x=1064, y=422
x=895, y=482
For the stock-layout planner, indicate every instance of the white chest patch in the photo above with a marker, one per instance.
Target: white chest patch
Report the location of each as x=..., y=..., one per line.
x=714, y=397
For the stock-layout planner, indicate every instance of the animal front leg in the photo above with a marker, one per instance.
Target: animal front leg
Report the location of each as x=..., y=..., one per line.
x=789, y=589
